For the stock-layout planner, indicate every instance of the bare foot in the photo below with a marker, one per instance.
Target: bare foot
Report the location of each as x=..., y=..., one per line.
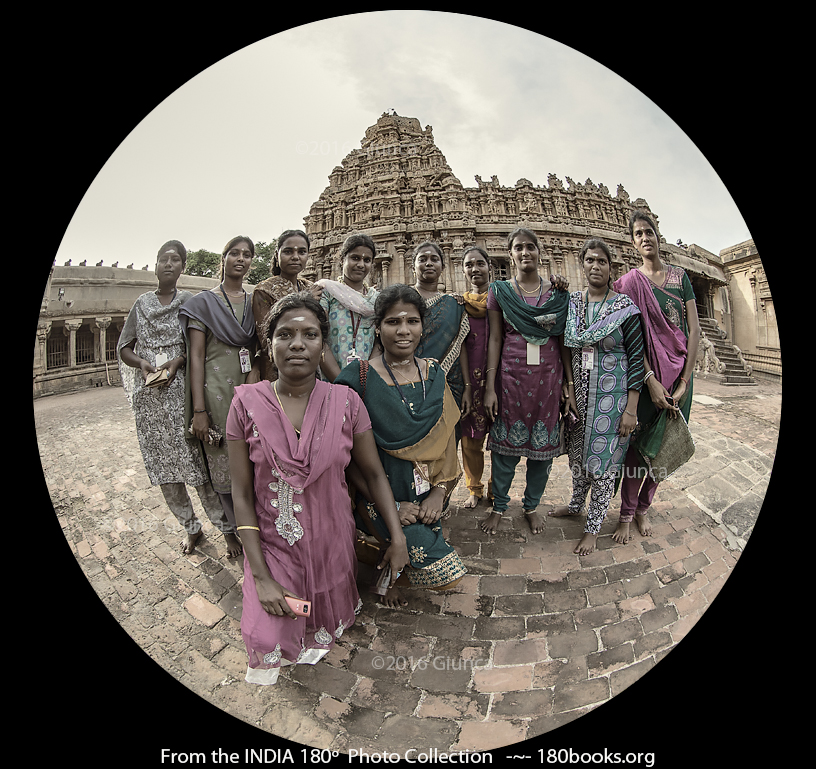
x=234, y=548
x=393, y=599
x=471, y=501
x=561, y=511
x=586, y=545
x=622, y=534
x=490, y=525
x=643, y=524
x=189, y=544
x=535, y=521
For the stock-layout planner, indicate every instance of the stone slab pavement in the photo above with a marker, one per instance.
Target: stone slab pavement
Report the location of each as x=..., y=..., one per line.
x=533, y=638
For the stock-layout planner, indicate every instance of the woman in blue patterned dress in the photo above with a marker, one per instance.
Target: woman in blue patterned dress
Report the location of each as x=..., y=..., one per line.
x=606, y=345
x=349, y=306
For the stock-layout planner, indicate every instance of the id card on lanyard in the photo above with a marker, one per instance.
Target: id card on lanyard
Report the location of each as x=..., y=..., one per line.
x=533, y=354
x=421, y=483
x=243, y=353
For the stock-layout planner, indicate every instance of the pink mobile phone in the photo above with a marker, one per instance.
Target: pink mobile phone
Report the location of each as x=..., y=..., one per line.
x=301, y=608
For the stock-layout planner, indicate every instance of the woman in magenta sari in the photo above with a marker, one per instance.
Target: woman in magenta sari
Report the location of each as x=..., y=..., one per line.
x=289, y=444
x=671, y=334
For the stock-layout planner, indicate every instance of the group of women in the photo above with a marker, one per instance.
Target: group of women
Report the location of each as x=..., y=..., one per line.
x=307, y=413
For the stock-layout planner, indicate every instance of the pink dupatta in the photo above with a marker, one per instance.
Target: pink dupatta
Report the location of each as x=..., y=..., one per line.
x=666, y=344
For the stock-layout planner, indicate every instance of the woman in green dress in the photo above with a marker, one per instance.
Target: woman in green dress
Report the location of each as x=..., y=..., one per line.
x=413, y=415
x=671, y=334
x=220, y=330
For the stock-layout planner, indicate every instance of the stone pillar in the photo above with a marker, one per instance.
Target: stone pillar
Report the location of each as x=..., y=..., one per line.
x=40, y=352
x=71, y=327
x=102, y=324
x=384, y=260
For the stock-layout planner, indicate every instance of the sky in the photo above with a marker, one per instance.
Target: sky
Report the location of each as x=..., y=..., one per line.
x=250, y=141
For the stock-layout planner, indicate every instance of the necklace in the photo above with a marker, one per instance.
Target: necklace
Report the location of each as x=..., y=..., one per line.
x=396, y=384
x=532, y=291
x=398, y=363
x=405, y=378
x=540, y=288
x=598, y=306
x=275, y=389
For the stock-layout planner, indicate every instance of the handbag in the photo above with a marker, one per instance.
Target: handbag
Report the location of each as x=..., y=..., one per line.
x=676, y=448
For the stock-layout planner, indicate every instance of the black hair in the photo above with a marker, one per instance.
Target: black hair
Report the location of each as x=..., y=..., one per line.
x=637, y=214
x=353, y=241
x=522, y=231
x=230, y=244
x=179, y=246
x=433, y=245
x=391, y=295
x=301, y=300
x=238, y=239
x=282, y=238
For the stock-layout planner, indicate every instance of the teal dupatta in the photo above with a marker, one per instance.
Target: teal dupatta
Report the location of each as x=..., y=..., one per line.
x=535, y=324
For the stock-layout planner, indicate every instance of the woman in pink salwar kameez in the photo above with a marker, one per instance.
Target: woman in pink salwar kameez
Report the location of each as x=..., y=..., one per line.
x=290, y=442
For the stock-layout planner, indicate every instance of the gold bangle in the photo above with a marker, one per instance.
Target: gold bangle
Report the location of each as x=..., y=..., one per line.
x=238, y=528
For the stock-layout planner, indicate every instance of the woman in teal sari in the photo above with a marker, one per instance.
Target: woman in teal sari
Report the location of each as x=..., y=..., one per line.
x=413, y=415
x=446, y=323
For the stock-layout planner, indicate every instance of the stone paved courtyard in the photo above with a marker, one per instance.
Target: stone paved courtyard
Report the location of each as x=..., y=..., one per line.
x=533, y=638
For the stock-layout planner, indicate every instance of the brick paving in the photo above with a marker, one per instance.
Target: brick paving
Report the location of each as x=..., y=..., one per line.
x=532, y=638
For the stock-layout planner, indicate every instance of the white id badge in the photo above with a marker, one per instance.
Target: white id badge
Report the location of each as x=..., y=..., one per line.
x=420, y=484
x=587, y=358
x=352, y=356
x=533, y=354
x=246, y=363
x=161, y=359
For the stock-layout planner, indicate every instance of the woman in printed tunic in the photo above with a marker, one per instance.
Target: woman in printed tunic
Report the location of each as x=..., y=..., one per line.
x=526, y=361
x=349, y=306
x=291, y=256
x=290, y=442
x=152, y=339
x=606, y=345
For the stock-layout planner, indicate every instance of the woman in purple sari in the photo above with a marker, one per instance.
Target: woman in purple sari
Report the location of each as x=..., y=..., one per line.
x=671, y=334
x=289, y=444
x=474, y=425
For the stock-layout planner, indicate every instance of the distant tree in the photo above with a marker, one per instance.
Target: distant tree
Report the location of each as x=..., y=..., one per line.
x=203, y=263
x=262, y=263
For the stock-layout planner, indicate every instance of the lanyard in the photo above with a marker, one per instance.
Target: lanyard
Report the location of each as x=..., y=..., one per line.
x=399, y=389
x=354, y=328
x=229, y=304
x=598, y=308
x=522, y=292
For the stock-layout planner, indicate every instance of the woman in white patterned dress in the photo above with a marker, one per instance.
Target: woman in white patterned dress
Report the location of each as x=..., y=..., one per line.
x=152, y=339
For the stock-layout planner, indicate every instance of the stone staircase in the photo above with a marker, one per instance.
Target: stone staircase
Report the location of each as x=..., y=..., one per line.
x=735, y=372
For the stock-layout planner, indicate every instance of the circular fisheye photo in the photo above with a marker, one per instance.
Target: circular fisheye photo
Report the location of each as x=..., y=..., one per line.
x=406, y=387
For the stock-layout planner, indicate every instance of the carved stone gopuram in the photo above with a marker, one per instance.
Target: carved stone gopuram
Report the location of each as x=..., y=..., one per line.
x=399, y=189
